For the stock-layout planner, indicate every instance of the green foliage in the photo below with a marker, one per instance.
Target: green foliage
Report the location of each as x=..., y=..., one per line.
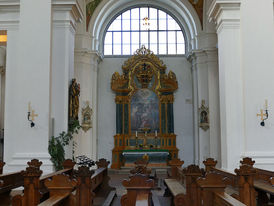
x=57, y=144
x=92, y=6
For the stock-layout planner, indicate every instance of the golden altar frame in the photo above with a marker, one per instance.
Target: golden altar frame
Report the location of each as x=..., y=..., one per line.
x=143, y=71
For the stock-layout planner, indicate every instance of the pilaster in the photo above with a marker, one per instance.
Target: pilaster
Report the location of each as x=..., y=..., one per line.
x=213, y=103
x=226, y=15
x=27, y=80
x=200, y=92
x=86, y=64
x=66, y=14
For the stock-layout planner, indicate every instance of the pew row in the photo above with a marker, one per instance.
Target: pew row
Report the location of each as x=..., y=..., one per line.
x=14, y=180
x=64, y=188
x=197, y=186
x=239, y=185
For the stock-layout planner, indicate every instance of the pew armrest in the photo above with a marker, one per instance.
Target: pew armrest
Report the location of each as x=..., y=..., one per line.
x=222, y=198
x=55, y=200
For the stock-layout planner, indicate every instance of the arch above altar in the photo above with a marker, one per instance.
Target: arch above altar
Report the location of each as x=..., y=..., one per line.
x=144, y=108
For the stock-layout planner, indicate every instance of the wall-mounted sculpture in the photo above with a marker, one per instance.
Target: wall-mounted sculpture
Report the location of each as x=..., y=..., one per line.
x=204, y=116
x=74, y=93
x=86, y=117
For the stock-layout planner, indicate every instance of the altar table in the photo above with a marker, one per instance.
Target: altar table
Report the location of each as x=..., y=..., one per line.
x=157, y=158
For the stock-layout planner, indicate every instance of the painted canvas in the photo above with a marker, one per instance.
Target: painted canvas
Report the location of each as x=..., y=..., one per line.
x=144, y=111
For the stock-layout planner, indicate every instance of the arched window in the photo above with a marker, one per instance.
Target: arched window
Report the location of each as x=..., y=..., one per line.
x=147, y=26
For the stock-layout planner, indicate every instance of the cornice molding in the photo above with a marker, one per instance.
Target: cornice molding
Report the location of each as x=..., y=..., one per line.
x=225, y=12
x=69, y=5
x=9, y=2
x=89, y=53
x=10, y=5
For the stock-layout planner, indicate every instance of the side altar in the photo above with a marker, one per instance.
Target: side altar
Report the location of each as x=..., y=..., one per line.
x=144, y=111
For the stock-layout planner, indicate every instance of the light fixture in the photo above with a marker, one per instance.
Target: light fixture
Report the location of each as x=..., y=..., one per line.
x=146, y=23
x=3, y=38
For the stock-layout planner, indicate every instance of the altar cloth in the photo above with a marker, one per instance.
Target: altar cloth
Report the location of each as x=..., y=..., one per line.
x=156, y=157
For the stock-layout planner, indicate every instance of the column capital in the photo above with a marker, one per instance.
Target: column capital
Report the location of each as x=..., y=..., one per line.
x=212, y=55
x=225, y=13
x=197, y=57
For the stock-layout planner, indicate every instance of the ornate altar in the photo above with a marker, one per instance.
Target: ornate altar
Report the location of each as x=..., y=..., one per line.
x=144, y=107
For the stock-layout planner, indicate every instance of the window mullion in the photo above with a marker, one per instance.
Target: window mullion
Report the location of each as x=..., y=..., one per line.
x=121, y=34
x=166, y=34
x=158, y=45
x=148, y=32
x=130, y=33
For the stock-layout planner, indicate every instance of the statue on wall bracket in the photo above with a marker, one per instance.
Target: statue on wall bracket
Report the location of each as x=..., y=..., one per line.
x=204, y=116
x=86, y=117
x=74, y=93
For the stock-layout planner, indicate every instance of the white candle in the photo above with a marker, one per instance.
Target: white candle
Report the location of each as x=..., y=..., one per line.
x=155, y=133
x=136, y=134
x=29, y=107
x=266, y=104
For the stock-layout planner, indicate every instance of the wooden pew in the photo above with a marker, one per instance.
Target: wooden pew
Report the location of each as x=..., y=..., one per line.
x=60, y=185
x=1, y=167
x=60, y=188
x=34, y=185
x=211, y=191
x=182, y=183
x=223, y=199
x=263, y=182
x=189, y=177
x=239, y=185
x=68, y=166
x=174, y=184
x=101, y=181
x=31, y=196
x=138, y=191
x=16, y=179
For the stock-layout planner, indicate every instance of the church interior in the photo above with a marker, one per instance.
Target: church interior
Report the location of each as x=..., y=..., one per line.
x=137, y=103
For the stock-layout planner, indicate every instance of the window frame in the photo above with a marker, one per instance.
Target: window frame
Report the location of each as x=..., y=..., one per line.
x=167, y=13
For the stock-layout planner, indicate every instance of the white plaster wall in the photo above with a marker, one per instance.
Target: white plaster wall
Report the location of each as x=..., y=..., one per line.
x=183, y=109
x=257, y=37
